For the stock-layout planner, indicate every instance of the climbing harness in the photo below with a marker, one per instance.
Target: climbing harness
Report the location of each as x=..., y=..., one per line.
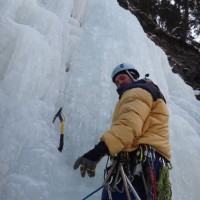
x=119, y=176
x=114, y=174
x=61, y=117
x=119, y=172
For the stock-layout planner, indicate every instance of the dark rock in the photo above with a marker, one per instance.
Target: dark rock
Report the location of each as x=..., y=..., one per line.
x=184, y=58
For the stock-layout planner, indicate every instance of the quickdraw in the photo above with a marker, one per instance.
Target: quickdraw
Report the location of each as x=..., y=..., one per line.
x=60, y=115
x=151, y=171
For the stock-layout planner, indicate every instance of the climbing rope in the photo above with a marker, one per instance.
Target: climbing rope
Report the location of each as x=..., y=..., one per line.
x=163, y=184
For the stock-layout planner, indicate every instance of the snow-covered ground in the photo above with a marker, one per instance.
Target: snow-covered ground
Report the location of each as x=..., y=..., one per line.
x=61, y=54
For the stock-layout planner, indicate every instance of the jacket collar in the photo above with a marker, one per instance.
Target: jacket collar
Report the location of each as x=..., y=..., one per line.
x=121, y=90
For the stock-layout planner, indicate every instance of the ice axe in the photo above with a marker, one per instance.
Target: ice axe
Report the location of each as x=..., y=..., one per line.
x=60, y=115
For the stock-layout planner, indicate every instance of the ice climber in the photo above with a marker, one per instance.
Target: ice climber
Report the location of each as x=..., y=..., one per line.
x=139, y=134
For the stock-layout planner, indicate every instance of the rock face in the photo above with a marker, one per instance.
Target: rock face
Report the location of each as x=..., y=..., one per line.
x=184, y=58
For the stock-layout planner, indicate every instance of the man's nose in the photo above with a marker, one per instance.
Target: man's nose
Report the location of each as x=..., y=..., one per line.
x=120, y=83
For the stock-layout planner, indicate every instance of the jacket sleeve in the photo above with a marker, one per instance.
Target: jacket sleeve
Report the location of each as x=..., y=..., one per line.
x=130, y=114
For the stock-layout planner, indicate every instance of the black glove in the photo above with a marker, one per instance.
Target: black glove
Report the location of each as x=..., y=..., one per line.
x=86, y=165
x=88, y=161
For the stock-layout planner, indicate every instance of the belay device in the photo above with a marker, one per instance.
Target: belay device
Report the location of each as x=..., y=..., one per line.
x=60, y=115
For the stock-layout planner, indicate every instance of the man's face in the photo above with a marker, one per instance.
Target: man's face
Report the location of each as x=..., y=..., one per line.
x=122, y=80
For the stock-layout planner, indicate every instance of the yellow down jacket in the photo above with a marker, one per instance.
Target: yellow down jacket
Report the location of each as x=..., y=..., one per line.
x=138, y=119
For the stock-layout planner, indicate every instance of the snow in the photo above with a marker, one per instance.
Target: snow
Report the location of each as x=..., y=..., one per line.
x=61, y=54
x=197, y=92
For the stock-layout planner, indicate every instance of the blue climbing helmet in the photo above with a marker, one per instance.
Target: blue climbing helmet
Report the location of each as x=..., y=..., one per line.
x=127, y=69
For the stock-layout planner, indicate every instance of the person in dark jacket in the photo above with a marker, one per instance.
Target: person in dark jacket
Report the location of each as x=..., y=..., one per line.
x=140, y=129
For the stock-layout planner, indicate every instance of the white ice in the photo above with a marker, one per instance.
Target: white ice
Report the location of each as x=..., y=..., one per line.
x=61, y=54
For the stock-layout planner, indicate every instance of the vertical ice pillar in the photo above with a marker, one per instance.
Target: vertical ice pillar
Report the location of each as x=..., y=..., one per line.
x=77, y=16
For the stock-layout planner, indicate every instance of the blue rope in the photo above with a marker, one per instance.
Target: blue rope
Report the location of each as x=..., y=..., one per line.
x=93, y=192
